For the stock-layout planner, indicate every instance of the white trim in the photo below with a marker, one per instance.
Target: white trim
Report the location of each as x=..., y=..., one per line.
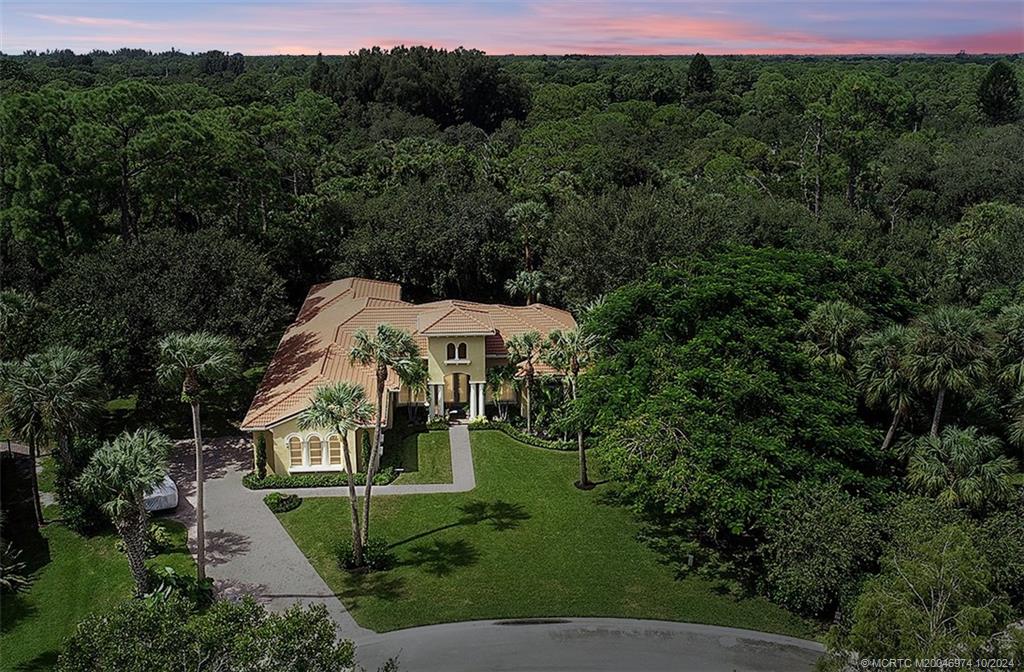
x=316, y=468
x=458, y=361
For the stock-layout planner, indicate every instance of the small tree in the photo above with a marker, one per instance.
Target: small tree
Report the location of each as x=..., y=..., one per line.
x=960, y=468
x=341, y=407
x=570, y=352
x=261, y=456
x=499, y=379
x=120, y=474
x=999, y=93
x=194, y=361
x=528, y=284
x=523, y=350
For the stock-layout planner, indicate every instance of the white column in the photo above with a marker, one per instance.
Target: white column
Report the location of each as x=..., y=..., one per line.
x=440, y=400
x=472, y=401
x=481, y=403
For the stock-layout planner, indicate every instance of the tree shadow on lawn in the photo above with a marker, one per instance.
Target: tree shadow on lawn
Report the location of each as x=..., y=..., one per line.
x=378, y=585
x=501, y=515
x=440, y=557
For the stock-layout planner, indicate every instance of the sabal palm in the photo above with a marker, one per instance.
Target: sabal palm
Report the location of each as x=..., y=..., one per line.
x=883, y=375
x=948, y=354
x=570, y=352
x=341, y=407
x=50, y=394
x=523, y=350
x=387, y=349
x=527, y=284
x=1009, y=361
x=960, y=468
x=832, y=330
x=119, y=475
x=195, y=361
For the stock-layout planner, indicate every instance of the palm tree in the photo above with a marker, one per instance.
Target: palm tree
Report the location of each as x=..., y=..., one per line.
x=527, y=284
x=120, y=474
x=960, y=468
x=193, y=361
x=832, y=330
x=948, y=354
x=530, y=218
x=23, y=416
x=1009, y=358
x=388, y=349
x=499, y=378
x=416, y=379
x=341, y=407
x=883, y=375
x=569, y=352
x=523, y=350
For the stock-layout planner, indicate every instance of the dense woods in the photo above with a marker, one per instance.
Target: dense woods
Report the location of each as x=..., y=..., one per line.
x=805, y=275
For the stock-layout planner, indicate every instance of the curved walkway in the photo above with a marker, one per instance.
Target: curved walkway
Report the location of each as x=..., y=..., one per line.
x=250, y=553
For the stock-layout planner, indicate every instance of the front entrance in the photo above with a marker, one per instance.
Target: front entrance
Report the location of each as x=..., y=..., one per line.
x=456, y=392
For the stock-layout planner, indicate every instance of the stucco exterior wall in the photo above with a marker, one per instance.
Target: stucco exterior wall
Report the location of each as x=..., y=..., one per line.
x=279, y=455
x=439, y=368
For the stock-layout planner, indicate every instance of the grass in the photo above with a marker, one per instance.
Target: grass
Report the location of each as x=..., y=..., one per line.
x=47, y=474
x=424, y=456
x=76, y=576
x=525, y=543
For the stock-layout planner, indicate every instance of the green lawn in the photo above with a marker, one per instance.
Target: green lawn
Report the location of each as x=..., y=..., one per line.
x=76, y=577
x=524, y=543
x=425, y=457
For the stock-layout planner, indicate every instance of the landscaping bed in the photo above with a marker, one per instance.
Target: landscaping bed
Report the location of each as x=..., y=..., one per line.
x=524, y=544
x=332, y=479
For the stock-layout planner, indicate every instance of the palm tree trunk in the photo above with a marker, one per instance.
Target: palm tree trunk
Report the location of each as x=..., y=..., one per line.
x=133, y=533
x=584, y=477
x=357, y=537
x=200, y=511
x=891, y=434
x=529, y=410
x=940, y=399
x=34, y=479
x=371, y=468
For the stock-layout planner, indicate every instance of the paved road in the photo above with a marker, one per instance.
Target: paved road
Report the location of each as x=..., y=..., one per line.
x=586, y=645
x=249, y=552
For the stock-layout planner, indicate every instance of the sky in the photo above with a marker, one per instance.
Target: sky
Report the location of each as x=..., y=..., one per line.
x=519, y=26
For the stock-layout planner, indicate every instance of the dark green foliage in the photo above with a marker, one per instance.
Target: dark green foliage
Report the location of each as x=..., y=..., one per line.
x=119, y=301
x=700, y=78
x=166, y=583
x=315, y=480
x=819, y=542
x=999, y=93
x=168, y=635
x=377, y=555
x=280, y=503
x=708, y=406
x=519, y=435
x=77, y=511
x=437, y=424
x=261, y=456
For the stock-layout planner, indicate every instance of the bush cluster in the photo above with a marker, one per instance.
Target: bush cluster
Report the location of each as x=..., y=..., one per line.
x=333, y=479
x=158, y=540
x=170, y=583
x=377, y=555
x=437, y=423
x=279, y=502
x=520, y=435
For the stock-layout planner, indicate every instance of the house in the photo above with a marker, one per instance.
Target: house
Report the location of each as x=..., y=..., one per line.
x=460, y=341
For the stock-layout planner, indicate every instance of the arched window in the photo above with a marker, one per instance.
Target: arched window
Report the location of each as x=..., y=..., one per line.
x=295, y=451
x=316, y=454
x=334, y=449
x=451, y=351
x=462, y=351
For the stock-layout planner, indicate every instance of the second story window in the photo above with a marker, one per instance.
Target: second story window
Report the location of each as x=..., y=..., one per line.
x=457, y=352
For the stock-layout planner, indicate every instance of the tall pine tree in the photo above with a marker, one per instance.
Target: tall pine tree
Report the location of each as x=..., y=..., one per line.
x=700, y=78
x=999, y=94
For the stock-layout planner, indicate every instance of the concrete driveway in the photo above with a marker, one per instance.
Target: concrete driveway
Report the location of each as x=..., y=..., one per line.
x=250, y=553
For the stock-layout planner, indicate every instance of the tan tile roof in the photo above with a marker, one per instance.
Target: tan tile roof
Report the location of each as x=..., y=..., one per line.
x=314, y=349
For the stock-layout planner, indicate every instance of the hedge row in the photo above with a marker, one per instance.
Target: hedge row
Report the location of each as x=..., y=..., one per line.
x=322, y=479
x=519, y=435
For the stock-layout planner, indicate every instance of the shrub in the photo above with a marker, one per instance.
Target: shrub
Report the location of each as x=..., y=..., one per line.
x=376, y=555
x=523, y=437
x=437, y=423
x=279, y=502
x=158, y=540
x=819, y=541
x=261, y=457
x=77, y=511
x=13, y=572
x=170, y=583
x=332, y=479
